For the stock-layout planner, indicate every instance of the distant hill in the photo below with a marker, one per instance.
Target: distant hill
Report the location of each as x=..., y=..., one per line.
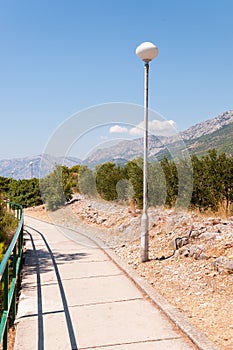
x=124, y=151
x=221, y=139
x=28, y=167
x=208, y=127
x=214, y=133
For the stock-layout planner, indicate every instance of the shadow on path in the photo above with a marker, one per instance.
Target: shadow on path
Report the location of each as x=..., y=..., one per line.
x=61, y=257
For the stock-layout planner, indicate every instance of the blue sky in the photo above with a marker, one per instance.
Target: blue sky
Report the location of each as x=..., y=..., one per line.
x=59, y=57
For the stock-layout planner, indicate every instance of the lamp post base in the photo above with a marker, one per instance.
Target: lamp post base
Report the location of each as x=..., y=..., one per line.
x=144, y=238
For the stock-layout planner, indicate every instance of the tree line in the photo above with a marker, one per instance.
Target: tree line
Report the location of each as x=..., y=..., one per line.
x=204, y=183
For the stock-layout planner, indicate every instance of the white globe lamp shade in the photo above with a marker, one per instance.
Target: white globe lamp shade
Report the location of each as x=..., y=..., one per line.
x=147, y=51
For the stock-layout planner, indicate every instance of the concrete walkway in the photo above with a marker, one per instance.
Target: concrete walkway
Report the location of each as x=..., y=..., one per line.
x=75, y=297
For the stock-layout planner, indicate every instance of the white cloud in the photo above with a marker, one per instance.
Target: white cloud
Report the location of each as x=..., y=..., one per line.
x=137, y=130
x=156, y=127
x=118, y=129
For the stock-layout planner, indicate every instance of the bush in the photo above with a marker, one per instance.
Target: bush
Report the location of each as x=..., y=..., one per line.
x=8, y=225
x=25, y=192
x=56, y=188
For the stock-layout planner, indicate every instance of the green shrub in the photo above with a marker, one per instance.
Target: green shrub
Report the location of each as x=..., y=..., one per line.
x=8, y=224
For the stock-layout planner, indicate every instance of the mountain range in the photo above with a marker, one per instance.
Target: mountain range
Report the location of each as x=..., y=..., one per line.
x=29, y=167
x=214, y=133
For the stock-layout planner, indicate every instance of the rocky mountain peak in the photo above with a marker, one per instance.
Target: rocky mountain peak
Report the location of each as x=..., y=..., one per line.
x=208, y=127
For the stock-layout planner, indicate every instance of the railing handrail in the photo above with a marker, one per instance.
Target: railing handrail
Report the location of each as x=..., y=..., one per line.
x=13, y=242
x=10, y=289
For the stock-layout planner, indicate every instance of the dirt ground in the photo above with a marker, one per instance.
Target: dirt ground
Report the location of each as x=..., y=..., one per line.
x=197, y=279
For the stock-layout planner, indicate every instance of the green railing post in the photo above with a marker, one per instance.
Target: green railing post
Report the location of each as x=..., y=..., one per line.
x=14, y=275
x=5, y=305
x=20, y=254
x=11, y=282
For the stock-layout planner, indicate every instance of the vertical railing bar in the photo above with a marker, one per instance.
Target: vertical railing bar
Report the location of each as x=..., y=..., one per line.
x=10, y=290
x=5, y=303
x=13, y=307
x=20, y=253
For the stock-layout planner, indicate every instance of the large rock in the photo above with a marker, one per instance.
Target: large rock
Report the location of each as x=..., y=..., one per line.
x=209, y=235
x=195, y=251
x=223, y=265
x=179, y=242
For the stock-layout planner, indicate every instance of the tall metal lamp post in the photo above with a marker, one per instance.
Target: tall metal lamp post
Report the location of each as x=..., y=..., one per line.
x=31, y=166
x=146, y=52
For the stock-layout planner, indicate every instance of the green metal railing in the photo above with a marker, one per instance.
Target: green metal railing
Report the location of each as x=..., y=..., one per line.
x=10, y=275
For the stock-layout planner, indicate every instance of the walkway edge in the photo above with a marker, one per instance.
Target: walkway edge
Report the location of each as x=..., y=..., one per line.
x=196, y=336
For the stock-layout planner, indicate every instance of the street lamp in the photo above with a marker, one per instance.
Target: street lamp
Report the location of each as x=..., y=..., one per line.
x=31, y=166
x=146, y=52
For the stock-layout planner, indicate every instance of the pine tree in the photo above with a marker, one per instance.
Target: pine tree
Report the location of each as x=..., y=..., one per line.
x=107, y=177
x=134, y=173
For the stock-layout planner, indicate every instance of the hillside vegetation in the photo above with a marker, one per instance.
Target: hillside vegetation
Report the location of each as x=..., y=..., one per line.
x=221, y=140
x=8, y=225
x=204, y=183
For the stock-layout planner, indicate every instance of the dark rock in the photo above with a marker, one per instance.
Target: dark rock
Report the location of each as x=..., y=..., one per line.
x=179, y=242
x=186, y=253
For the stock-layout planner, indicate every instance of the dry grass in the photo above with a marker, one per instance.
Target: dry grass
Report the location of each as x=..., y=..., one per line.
x=222, y=212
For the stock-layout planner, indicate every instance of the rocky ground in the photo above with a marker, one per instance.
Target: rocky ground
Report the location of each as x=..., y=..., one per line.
x=197, y=279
